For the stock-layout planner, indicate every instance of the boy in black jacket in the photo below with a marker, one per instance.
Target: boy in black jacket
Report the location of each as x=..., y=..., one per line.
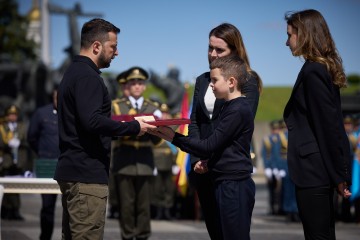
x=228, y=149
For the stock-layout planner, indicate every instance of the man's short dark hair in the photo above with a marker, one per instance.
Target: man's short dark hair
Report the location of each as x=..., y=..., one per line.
x=96, y=29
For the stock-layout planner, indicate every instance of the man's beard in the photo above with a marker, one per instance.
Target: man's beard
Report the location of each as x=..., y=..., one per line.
x=103, y=62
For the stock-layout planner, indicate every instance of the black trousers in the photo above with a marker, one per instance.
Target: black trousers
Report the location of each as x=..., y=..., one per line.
x=235, y=200
x=206, y=193
x=316, y=210
x=47, y=215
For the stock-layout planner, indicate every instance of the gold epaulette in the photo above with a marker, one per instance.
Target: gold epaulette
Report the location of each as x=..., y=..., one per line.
x=6, y=136
x=283, y=139
x=353, y=141
x=267, y=143
x=115, y=101
x=115, y=107
x=166, y=151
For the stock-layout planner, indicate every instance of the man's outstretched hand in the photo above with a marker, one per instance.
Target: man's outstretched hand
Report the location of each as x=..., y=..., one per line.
x=144, y=127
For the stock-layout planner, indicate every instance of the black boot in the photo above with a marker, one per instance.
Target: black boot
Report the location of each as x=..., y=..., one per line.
x=114, y=213
x=295, y=217
x=167, y=214
x=16, y=215
x=5, y=213
x=159, y=213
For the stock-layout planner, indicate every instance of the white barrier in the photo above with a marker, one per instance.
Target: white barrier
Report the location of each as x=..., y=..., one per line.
x=27, y=185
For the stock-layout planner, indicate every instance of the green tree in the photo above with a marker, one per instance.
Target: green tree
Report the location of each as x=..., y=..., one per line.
x=13, y=42
x=353, y=79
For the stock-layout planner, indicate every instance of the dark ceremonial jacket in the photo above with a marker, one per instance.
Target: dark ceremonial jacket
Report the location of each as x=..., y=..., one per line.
x=318, y=147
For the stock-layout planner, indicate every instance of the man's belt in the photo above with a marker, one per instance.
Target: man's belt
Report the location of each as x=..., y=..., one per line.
x=163, y=150
x=135, y=144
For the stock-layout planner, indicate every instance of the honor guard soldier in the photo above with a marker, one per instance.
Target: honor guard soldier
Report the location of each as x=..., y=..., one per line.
x=115, y=110
x=121, y=78
x=164, y=185
x=133, y=161
x=343, y=205
x=13, y=146
x=270, y=144
x=288, y=198
x=355, y=187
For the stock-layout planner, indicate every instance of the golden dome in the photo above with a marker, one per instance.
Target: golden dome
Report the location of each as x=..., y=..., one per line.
x=34, y=14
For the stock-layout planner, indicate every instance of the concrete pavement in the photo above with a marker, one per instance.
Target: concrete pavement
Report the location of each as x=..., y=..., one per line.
x=264, y=227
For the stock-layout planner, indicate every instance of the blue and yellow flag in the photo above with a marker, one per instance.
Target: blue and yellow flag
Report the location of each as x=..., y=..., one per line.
x=183, y=158
x=355, y=187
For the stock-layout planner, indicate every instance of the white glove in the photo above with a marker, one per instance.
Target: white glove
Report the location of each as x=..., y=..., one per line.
x=275, y=171
x=14, y=143
x=155, y=172
x=268, y=172
x=175, y=169
x=282, y=173
x=28, y=174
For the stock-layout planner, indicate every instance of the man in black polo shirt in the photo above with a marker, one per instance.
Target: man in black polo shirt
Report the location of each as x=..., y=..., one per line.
x=85, y=131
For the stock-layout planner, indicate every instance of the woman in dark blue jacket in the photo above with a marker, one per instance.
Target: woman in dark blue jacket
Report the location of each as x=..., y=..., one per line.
x=318, y=148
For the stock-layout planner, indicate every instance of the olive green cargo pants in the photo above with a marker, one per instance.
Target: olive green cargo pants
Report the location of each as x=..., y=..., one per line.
x=84, y=209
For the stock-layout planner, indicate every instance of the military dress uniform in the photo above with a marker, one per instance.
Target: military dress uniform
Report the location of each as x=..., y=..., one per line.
x=355, y=187
x=15, y=154
x=270, y=147
x=288, y=198
x=133, y=166
x=343, y=205
x=164, y=185
x=113, y=202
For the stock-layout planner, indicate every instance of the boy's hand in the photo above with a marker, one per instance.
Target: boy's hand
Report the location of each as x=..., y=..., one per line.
x=163, y=132
x=201, y=167
x=343, y=190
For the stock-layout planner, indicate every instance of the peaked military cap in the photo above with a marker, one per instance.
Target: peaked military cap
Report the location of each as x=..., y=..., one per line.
x=137, y=73
x=274, y=124
x=348, y=119
x=12, y=109
x=121, y=78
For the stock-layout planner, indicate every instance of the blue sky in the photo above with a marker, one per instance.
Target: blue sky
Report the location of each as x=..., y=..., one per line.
x=157, y=34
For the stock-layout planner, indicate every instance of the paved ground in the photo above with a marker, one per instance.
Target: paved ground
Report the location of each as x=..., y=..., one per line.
x=263, y=227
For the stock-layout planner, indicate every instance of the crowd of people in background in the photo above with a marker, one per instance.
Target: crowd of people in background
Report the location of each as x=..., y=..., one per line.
x=281, y=190
x=348, y=210
x=14, y=158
